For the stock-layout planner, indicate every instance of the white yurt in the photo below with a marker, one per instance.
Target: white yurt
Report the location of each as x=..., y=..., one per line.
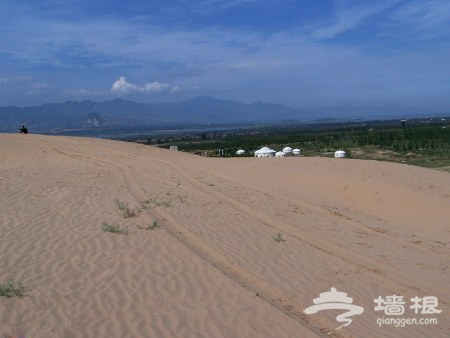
x=296, y=152
x=339, y=154
x=280, y=154
x=265, y=152
x=287, y=151
x=240, y=152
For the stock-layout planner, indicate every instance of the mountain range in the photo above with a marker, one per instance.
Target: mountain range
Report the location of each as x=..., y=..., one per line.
x=58, y=117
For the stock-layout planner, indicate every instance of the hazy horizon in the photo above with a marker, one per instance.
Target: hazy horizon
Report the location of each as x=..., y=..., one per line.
x=387, y=108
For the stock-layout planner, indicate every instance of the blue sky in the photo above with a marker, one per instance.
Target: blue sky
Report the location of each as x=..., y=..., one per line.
x=300, y=53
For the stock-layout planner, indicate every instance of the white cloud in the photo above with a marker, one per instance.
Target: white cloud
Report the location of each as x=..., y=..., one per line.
x=155, y=87
x=349, y=18
x=174, y=89
x=35, y=88
x=122, y=86
x=421, y=19
x=4, y=80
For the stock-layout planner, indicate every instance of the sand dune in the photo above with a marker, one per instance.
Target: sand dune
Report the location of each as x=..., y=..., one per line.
x=213, y=269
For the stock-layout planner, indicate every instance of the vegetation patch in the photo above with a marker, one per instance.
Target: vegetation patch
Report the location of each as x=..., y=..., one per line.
x=157, y=203
x=12, y=288
x=278, y=237
x=153, y=226
x=117, y=229
x=125, y=210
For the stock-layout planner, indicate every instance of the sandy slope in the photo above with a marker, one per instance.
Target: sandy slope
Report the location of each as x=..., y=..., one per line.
x=213, y=270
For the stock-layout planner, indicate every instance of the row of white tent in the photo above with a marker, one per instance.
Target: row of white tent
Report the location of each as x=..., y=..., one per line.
x=267, y=152
x=287, y=151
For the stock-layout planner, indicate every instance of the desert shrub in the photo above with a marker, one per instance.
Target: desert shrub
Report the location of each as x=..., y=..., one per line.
x=157, y=203
x=278, y=237
x=114, y=229
x=125, y=210
x=12, y=288
x=153, y=226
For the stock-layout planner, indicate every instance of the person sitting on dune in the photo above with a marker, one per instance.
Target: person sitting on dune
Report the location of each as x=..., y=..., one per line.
x=23, y=130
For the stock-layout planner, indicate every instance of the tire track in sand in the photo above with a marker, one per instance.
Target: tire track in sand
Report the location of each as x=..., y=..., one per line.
x=322, y=245
x=254, y=284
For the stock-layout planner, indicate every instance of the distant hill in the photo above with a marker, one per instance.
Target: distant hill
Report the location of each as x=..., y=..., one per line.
x=86, y=115
x=89, y=114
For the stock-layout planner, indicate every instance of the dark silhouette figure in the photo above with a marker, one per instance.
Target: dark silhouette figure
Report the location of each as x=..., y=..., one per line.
x=23, y=130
